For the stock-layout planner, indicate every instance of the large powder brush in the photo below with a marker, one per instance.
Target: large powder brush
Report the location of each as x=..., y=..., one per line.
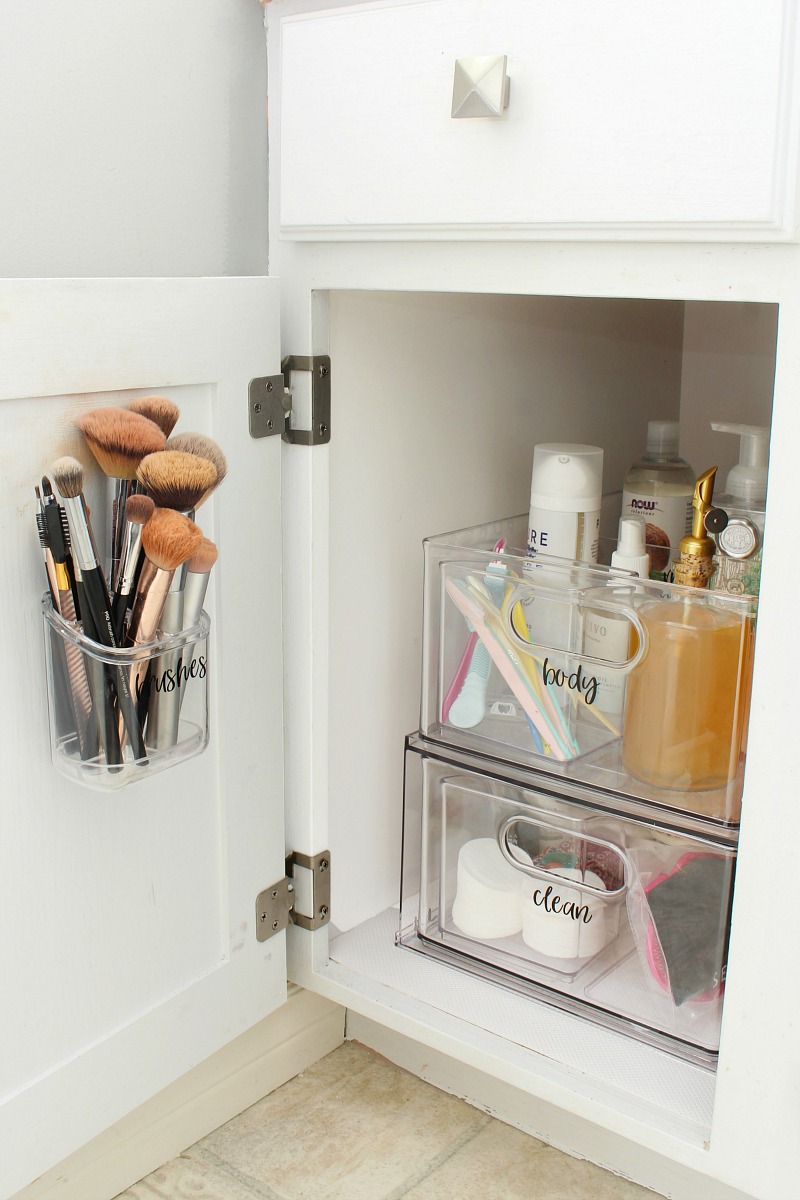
x=176, y=480
x=205, y=447
x=119, y=439
x=159, y=409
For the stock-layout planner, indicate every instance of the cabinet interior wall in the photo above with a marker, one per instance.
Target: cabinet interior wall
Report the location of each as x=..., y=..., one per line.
x=438, y=400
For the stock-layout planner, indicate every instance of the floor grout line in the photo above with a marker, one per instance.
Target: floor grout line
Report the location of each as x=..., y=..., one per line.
x=258, y=1189
x=441, y=1158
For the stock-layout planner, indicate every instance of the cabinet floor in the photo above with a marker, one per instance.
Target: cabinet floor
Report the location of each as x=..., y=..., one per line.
x=356, y=1127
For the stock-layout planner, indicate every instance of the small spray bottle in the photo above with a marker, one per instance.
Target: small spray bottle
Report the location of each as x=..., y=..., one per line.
x=697, y=548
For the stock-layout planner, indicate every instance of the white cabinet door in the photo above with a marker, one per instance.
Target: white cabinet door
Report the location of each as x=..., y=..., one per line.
x=128, y=949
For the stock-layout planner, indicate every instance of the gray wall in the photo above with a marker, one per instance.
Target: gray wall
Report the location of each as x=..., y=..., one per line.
x=132, y=137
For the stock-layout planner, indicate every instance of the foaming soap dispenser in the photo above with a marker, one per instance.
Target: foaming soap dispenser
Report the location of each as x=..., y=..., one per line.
x=739, y=544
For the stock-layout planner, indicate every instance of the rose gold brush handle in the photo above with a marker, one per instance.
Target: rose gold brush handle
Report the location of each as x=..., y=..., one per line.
x=151, y=596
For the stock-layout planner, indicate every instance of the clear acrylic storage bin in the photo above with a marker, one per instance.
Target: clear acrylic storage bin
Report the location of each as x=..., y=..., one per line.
x=637, y=686
x=118, y=716
x=596, y=910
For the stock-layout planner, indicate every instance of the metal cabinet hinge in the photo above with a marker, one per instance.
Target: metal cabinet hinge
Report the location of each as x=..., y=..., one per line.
x=309, y=888
x=269, y=402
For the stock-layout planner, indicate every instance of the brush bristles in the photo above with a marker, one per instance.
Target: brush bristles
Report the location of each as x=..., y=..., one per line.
x=68, y=475
x=203, y=447
x=119, y=439
x=204, y=558
x=160, y=409
x=176, y=480
x=138, y=509
x=169, y=539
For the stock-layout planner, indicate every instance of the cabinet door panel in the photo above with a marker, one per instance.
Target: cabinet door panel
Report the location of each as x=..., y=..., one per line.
x=647, y=120
x=128, y=936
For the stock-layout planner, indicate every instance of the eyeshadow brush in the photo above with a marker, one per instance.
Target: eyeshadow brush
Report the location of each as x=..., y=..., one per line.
x=138, y=511
x=119, y=439
x=68, y=475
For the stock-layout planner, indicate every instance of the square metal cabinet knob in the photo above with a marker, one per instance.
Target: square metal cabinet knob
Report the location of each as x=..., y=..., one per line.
x=480, y=87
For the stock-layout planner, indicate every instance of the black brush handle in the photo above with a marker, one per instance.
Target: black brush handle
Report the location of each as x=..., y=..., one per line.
x=119, y=607
x=103, y=721
x=98, y=601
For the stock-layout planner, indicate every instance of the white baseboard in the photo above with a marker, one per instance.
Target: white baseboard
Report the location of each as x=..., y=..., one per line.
x=278, y=1048
x=553, y=1125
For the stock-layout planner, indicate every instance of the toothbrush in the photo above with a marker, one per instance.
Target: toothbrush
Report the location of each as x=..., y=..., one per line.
x=551, y=710
x=466, y=710
x=469, y=707
x=506, y=661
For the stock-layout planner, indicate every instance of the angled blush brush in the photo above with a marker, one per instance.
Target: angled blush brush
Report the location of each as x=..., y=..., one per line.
x=68, y=476
x=160, y=409
x=203, y=447
x=138, y=511
x=169, y=539
x=119, y=439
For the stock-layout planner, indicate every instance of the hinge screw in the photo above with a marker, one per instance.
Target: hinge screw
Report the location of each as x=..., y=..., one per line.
x=323, y=371
x=323, y=429
x=323, y=864
x=323, y=910
x=257, y=407
x=274, y=924
x=269, y=385
x=263, y=918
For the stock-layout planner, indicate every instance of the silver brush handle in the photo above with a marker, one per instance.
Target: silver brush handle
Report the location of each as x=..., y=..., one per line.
x=164, y=707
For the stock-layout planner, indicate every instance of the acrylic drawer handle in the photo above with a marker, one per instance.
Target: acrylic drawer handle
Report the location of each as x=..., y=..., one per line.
x=480, y=87
x=548, y=876
x=524, y=591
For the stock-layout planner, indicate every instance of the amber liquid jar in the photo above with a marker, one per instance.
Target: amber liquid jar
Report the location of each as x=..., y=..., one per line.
x=686, y=700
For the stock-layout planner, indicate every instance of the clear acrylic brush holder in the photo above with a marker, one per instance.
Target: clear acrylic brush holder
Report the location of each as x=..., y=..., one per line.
x=167, y=680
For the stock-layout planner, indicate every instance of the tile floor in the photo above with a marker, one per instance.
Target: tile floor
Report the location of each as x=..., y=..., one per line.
x=356, y=1127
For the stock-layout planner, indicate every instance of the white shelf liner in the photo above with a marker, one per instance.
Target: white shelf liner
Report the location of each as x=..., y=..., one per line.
x=656, y=1085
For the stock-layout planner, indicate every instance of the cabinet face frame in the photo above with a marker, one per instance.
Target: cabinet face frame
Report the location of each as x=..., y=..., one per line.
x=752, y=1131
x=716, y=274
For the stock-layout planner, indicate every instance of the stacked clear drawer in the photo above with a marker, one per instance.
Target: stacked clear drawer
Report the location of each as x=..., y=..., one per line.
x=572, y=798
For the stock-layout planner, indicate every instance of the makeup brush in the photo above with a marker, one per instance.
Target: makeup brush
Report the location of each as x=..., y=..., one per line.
x=163, y=411
x=96, y=612
x=138, y=511
x=203, y=447
x=169, y=539
x=175, y=479
x=56, y=532
x=119, y=439
x=165, y=708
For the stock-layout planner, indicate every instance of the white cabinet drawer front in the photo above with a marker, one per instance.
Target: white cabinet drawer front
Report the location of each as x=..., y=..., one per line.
x=648, y=118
